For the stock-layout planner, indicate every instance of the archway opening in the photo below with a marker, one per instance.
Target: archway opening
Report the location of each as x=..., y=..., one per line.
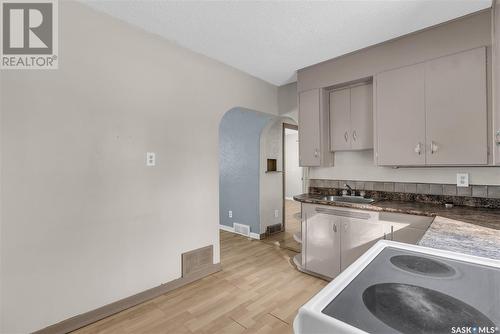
x=252, y=173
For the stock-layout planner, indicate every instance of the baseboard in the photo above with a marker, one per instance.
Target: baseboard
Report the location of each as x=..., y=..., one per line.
x=289, y=198
x=87, y=318
x=231, y=229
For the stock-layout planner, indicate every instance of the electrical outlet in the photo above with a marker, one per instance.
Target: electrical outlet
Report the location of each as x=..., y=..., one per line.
x=276, y=213
x=462, y=179
x=150, y=159
x=230, y=214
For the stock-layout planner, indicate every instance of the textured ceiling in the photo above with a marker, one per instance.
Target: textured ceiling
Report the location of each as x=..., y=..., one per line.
x=272, y=39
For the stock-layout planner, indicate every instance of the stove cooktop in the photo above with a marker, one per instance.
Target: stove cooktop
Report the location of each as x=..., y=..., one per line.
x=407, y=292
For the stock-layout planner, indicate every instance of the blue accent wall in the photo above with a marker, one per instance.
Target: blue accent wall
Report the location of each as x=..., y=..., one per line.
x=239, y=154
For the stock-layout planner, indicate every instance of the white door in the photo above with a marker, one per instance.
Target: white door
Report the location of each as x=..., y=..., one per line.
x=322, y=247
x=400, y=116
x=456, y=113
x=309, y=128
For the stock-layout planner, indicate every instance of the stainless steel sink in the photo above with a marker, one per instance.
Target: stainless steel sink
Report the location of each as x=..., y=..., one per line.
x=349, y=199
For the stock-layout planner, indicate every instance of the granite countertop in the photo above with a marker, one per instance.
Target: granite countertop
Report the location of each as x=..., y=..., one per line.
x=462, y=229
x=457, y=236
x=489, y=218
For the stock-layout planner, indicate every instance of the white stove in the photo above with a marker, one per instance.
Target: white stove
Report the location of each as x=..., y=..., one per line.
x=402, y=288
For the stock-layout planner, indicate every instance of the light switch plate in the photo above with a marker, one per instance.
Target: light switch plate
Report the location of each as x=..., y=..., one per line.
x=150, y=159
x=276, y=213
x=230, y=214
x=462, y=179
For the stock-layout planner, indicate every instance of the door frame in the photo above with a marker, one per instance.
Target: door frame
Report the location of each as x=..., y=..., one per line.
x=283, y=149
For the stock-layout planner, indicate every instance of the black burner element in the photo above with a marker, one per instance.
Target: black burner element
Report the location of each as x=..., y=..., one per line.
x=422, y=265
x=411, y=309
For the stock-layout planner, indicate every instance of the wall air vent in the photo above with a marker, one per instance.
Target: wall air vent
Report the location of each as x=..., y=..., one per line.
x=242, y=229
x=197, y=260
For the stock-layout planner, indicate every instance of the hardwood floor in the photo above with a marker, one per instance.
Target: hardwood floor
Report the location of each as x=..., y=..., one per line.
x=257, y=291
x=292, y=225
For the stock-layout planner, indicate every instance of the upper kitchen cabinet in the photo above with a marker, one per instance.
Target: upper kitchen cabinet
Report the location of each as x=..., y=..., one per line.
x=400, y=116
x=433, y=113
x=351, y=118
x=456, y=113
x=362, y=117
x=313, y=129
x=340, y=120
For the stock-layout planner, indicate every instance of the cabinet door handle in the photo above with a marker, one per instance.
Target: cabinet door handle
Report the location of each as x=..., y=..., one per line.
x=346, y=136
x=434, y=147
x=392, y=232
x=354, y=135
x=335, y=228
x=418, y=148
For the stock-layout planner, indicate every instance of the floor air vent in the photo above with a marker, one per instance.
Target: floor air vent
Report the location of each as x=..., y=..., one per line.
x=242, y=229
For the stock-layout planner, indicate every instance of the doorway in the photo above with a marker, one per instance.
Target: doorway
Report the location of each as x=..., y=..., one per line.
x=291, y=185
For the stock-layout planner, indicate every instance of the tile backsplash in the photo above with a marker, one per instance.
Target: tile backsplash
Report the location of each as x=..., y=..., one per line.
x=480, y=191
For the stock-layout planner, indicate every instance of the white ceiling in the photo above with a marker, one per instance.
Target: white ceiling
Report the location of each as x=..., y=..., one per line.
x=272, y=39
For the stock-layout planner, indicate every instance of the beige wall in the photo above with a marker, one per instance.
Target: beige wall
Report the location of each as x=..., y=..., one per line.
x=287, y=101
x=359, y=166
x=293, y=176
x=470, y=32
x=84, y=221
x=271, y=184
x=467, y=33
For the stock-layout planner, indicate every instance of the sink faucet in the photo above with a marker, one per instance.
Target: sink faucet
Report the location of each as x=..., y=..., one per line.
x=351, y=191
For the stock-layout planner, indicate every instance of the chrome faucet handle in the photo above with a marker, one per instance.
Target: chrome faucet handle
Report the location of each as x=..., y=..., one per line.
x=351, y=191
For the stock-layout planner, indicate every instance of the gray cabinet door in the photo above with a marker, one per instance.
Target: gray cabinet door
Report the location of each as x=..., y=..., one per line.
x=400, y=116
x=362, y=117
x=309, y=128
x=340, y=120
x=322, y=245
x=358, y=235
x=456, y=113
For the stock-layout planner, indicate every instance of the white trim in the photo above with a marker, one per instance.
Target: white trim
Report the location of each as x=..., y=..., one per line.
x=231, y=229
x=226, y=228
x=254, y=236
